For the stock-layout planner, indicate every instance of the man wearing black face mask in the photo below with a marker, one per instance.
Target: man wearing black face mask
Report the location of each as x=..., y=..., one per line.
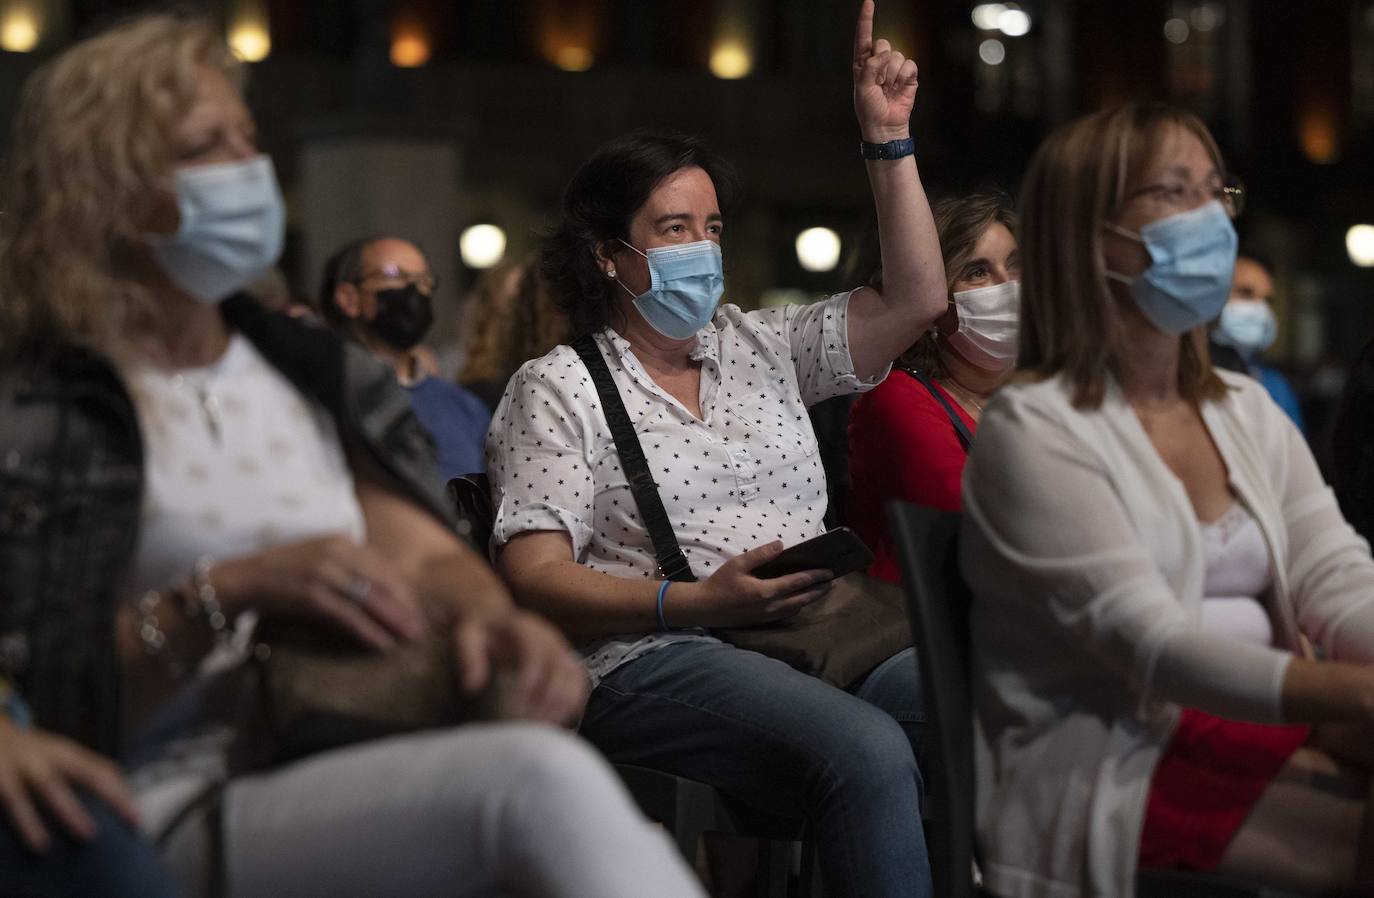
x=379, y=292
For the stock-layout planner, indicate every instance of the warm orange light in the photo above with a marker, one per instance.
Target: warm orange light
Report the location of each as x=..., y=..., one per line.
x=572, y=58
x=1319, y=135
x=567, y=36
x=409, y=47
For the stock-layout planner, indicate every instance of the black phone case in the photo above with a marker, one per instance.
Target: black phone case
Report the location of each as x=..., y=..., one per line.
x=838, y=551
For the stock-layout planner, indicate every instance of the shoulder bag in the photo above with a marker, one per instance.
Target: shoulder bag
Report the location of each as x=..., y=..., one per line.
x=839, y=638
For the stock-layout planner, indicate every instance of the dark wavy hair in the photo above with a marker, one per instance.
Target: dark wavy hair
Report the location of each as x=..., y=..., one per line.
x=598, y=204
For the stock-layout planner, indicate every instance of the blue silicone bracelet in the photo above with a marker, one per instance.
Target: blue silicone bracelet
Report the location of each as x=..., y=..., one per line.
x=663, y=591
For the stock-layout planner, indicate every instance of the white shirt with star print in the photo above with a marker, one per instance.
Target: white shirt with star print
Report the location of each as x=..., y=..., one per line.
x=747, y=473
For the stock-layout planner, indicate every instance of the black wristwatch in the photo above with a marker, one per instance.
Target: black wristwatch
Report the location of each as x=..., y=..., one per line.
x=893, y=149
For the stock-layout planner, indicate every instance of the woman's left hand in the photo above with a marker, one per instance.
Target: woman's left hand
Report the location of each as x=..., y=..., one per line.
x=541, y=678
x=884, y=84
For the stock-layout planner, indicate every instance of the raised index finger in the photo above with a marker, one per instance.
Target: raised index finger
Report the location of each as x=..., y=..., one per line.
x=863, y=32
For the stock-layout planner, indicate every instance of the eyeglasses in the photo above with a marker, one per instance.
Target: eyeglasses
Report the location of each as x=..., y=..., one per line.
x=1178, y=196
x=426, y=282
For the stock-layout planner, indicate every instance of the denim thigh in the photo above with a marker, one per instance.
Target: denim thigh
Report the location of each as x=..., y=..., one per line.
x=117, y=863
x=744, y=722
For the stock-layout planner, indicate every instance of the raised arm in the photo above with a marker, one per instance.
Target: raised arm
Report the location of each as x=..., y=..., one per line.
x=882, y=325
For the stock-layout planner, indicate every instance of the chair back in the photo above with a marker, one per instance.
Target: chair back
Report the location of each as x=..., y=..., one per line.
x=938, y=600
x=471, y=498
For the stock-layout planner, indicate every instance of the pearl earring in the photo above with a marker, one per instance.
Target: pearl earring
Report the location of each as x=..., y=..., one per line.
x=611, y=273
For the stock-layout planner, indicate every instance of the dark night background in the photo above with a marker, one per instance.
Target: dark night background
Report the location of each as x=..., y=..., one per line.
x=491, y=123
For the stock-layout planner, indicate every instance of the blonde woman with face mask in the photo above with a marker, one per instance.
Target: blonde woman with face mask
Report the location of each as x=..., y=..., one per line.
x=151, y=418
x=908, y=438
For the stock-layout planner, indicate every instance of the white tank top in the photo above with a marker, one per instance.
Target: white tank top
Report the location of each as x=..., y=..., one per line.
x=1238, y=573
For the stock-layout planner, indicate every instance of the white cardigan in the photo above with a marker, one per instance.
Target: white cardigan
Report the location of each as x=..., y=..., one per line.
x=1085, y=559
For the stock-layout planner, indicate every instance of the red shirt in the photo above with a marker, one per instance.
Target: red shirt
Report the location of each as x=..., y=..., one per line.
x=902, y=445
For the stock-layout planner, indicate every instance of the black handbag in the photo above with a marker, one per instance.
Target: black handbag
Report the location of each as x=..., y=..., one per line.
x=839, y=638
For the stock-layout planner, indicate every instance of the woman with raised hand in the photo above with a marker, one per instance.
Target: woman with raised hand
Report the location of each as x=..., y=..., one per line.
x=1150, y=546
x=178, y=462
x=718, y=398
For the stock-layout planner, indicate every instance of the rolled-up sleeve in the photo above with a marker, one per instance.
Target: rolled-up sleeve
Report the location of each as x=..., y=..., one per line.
x=537, y=460
x=818, y=336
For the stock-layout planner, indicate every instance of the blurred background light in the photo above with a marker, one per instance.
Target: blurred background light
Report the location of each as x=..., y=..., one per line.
x=992, y=51
x=1319, y=134
x=1176, y=31
x=410, y=46
x=250, y=42
x=482, y=245
x=20, y=29
x=731, y=59
x=573, y=58
x=1359, y=243
x=1207, y=17
x=248, y=33
x=1013, y=22
x=818, y=249
x=988, y=15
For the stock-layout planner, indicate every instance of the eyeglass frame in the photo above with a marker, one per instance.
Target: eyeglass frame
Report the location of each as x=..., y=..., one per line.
x=1231, y=194
x=426, y=281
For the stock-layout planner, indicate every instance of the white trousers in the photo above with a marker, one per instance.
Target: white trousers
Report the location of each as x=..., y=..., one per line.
x=509, y=809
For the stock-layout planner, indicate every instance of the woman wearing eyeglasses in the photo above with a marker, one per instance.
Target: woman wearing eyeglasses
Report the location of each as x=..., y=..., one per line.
x=1148, y=541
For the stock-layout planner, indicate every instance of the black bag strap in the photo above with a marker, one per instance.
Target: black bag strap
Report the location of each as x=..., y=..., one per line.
x=960, y=428
x=672, y=563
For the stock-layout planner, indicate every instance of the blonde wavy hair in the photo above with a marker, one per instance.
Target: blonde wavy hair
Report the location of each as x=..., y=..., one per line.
x=92, y=139
x=1078, y=179
x=511, y=326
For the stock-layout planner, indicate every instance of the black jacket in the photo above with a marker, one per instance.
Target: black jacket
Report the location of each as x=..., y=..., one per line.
x=71, y=487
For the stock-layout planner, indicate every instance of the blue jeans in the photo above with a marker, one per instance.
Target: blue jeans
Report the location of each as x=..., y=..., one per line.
x=117, y=863
x=787, y=744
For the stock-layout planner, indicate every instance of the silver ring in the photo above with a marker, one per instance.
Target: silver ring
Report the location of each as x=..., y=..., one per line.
x=358, y=589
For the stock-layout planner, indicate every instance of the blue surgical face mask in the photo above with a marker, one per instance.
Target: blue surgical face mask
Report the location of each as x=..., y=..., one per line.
x=1248, y=326
x=685, y=285
x=232, y=222
x=1192, y=257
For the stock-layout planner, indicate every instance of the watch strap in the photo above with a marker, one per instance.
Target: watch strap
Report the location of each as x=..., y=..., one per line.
x=893, y=149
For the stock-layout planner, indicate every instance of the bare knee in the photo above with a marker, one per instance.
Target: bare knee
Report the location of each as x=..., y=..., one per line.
x=1306, y=831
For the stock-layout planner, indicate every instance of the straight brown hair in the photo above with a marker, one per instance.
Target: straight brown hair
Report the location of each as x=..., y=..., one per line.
x=1078, y=179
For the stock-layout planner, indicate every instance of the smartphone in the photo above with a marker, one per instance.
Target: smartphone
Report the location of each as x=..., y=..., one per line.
x=838, y=551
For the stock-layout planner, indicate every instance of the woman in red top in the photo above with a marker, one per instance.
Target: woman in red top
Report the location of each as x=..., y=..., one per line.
x=904, y=442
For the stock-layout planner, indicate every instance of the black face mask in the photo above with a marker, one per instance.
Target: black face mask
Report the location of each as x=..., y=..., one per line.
x=404, y=316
